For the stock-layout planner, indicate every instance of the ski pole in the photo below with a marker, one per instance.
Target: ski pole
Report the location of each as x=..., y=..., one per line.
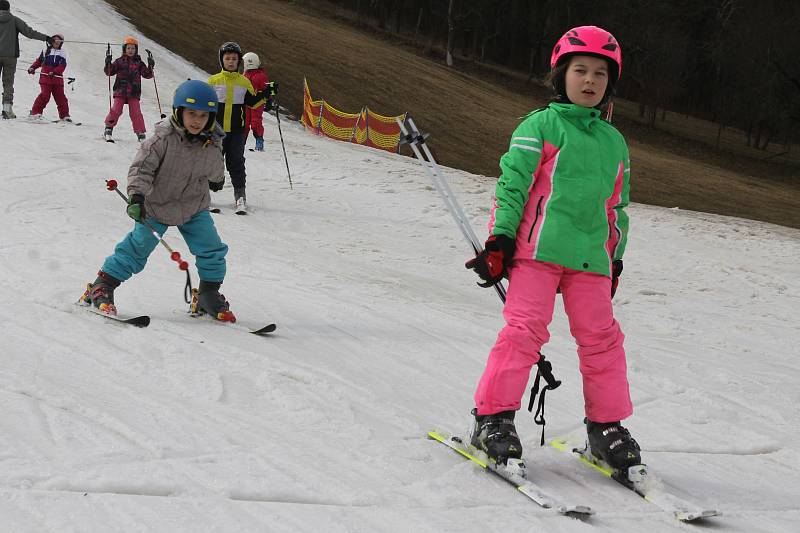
x=158, y=101
x=278, y=116
x=108, y=53
x=415, y=140
x=544, y=368
x=111, y=185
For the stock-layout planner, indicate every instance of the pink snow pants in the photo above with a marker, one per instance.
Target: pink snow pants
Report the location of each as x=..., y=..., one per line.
x=528, y=312
x=57, y=91
x=133, y=109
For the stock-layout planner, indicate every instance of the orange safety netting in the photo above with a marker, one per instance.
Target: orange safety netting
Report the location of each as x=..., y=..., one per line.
x=366, y=127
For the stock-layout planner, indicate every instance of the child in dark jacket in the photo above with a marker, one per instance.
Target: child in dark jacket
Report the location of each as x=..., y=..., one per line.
x=129, y=69
x=235, y=93
x=53, y=62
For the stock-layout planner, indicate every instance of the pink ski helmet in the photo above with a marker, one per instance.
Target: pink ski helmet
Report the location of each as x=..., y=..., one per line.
x=589, y=40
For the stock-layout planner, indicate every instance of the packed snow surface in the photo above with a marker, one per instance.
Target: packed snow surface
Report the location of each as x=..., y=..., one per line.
x=189, y=425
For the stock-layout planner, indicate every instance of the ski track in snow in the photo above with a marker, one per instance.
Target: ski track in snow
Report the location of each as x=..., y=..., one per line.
x=193, y=426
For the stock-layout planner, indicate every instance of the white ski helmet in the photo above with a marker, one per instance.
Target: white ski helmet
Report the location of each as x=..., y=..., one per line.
x=251, y=61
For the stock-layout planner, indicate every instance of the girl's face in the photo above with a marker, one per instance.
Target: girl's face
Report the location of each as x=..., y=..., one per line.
x=586, y=80
x=130, y=49
x=57, y=42
x=194, y=121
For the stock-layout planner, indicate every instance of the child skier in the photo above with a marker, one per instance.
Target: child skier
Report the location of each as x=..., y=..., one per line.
x=558, y=221
x=129, y=70
x=168, y=185
x=53, y=62
x=235, y=93
x=260, y=80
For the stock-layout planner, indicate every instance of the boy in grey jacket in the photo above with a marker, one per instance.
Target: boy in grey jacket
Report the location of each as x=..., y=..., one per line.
x=168, y=184
x=10, y=28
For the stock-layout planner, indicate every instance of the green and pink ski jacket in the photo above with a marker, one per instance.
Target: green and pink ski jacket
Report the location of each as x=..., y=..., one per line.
x=565, y=183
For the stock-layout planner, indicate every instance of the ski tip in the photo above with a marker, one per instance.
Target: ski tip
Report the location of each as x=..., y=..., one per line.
x=139, y=321
x=691, y=516
x=269, y=328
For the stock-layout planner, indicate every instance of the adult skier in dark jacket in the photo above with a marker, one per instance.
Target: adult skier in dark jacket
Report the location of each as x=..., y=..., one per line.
x=10, y=28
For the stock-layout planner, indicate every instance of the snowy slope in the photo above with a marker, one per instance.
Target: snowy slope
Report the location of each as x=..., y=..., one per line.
x=195, y=426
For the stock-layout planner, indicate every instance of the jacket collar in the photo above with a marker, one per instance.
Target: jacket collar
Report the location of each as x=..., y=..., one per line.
x=585, y=116
x=215, y=135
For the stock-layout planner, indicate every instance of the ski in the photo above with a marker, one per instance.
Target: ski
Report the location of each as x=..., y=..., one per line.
x=218, y=211
x=637, y=482
x=269, y=328
x=514, y=474
x=141, y=321
x=67, y=122
x=260, y=331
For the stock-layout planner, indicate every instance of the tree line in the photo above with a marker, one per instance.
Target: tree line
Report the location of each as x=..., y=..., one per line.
x=734, y=62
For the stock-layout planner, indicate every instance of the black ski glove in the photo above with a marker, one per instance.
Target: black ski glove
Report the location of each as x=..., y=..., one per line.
x=492, y=263
x=151, y=63
x=136, y=207
x=108, y=60
x=50, y=40
x=216, y=186
x=272, y=88
x=616, y=272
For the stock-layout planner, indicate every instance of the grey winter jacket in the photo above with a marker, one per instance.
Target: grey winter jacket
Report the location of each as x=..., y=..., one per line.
x=10, y=28
x=172, y=172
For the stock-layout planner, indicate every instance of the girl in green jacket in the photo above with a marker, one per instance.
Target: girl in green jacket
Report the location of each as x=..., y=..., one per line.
x=558, y=222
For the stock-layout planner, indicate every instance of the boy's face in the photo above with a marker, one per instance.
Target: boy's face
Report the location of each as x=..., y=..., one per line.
x=194, y=121
x=130, y=49
x=230, y=61
x=586, y=80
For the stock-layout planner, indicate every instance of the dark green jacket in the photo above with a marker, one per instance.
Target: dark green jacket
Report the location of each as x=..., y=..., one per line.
x=10, y=28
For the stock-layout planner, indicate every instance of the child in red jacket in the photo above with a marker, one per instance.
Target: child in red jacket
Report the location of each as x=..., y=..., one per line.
x=53, y=62
x=259, y=78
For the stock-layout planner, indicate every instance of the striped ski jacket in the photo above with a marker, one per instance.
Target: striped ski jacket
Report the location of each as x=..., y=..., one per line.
x=234, y=92
x=53, y=62
x=564, y=185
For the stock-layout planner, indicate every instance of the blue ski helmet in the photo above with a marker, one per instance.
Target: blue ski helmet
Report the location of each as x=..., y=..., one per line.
x=198, y=95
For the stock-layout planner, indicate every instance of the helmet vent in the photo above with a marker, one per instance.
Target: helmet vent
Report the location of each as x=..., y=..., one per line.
x=575, y=41
x=610, y=46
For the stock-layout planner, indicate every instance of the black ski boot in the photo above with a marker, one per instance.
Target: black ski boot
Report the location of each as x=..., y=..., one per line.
x=209, y=300
x=101, y=293
x=613, y=444
x=496, y=436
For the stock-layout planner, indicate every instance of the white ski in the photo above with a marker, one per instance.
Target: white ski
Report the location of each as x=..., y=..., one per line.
x=513, y=473
x=637, y=481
